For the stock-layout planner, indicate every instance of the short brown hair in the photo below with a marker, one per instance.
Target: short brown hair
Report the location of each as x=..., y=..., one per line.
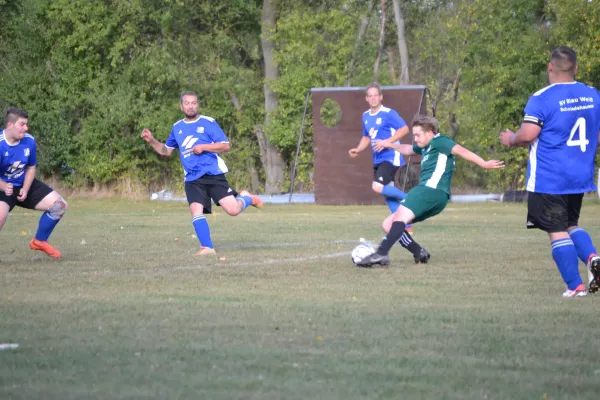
x=187, y=93
x=426, y=122
x=13, y=114
x=373, y=85
x=564, y=59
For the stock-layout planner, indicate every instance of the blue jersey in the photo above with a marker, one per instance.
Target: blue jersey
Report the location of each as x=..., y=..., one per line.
x=380, y=126
x=561, y=158
x=185, y=135
x=14, y=159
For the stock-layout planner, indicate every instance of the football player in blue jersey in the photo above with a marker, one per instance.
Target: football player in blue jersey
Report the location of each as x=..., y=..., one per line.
x=200, y=140
x=18, y=186
x=381, y=123
x=561, y=126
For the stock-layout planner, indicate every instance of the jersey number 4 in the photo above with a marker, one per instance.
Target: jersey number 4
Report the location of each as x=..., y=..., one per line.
x=579, y=127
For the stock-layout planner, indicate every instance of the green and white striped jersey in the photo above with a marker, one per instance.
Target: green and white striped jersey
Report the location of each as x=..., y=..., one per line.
x=437, y=163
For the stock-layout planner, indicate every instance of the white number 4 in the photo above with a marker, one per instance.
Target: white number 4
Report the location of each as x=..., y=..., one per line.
x=582, y=142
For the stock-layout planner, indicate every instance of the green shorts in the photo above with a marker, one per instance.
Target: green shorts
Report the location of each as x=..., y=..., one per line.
x=425, y=202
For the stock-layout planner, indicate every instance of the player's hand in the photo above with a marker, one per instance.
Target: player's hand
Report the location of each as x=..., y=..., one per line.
x=506, y=137
x=493, y=164
x=22, y=195
x=198, y=149
x=147, y=135
x=381, y=144
x=353, y=152
x=9, y=189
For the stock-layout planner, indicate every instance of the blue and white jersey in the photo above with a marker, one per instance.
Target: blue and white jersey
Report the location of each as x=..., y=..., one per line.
x=561, y=158
x=14, y=159
x=185, y=135
x=380, y=126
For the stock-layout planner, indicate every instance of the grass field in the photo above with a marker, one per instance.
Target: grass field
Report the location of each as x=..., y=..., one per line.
x=282, y=313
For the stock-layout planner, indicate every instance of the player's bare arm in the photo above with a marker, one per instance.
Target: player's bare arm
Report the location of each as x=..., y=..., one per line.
x=468, y=155
x=399, y=134
x=159, y=147
x=212, y=148
x=404, y=149
x=525, y=135
x=29, y=176
x=7, y=188
x=365, y=141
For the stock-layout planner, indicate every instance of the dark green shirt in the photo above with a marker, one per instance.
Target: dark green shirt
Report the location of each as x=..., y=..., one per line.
x=437, y=163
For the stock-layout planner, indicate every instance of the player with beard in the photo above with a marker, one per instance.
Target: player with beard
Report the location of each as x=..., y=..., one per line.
x=200, y=140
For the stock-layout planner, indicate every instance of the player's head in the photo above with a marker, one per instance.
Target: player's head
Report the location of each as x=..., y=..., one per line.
x=424, y=128
x=562, y=65
x=188, y=103
x=15, y=122
x=373, y=95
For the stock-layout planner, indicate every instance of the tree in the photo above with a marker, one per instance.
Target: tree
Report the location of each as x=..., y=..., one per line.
x=402, y=46
x=271, y=157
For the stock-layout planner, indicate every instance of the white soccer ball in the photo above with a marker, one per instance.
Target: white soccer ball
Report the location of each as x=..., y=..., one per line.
x=364, y=249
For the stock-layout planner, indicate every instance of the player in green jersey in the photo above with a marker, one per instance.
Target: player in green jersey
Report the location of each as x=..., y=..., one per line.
x=431, y=195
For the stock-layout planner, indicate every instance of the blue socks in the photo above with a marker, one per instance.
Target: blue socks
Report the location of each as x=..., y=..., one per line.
x=393, y=191
x=583, y=243
x=392, y=203
x=393, y=196
x=45, y=227
x=202, y=231
x=246, y=201
x=565, y=256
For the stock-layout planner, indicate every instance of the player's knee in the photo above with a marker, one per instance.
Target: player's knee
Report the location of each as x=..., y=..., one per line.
x=377, y=187
x=58, y=209
x=233, y=210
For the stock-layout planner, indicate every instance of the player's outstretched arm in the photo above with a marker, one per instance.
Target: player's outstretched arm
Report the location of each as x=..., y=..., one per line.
x=211, y=148
x=159, y=147
x=399, y=134
x=525, y=135
x=468, y=155
x=404, y=149
x=365, y=141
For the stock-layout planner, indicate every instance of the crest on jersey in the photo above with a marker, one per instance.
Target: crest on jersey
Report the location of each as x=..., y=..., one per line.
x=200, y=129
x=180, y=132
x=378, y=121
x=26, y=152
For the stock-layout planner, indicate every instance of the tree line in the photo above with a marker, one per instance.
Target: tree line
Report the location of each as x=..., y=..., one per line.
x=92, y=74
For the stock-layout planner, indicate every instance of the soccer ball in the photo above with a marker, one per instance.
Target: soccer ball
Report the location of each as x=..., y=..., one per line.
x=364, y=249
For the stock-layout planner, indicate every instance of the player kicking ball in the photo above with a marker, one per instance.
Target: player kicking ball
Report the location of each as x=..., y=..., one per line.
x=432, y=193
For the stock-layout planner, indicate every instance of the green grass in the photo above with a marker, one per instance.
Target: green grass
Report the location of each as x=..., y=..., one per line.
x=130, y=313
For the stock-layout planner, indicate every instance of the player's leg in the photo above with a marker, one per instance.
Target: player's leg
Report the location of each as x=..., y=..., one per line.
x=4, y=209
x=420, y=203
x=550, y=214
x=7, y=203
x=586, y=251
x=200, y=204
x=232, y=203
x=384, y=177
x=42, y=198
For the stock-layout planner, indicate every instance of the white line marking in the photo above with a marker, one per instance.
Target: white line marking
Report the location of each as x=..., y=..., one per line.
x=263, y=262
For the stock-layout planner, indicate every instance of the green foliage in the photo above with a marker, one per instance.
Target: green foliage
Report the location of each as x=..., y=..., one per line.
x=93, y=74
